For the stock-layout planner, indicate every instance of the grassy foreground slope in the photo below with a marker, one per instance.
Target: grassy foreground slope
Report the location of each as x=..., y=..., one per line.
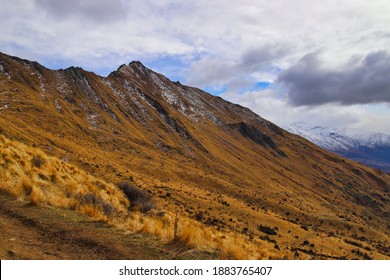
x=36, y=179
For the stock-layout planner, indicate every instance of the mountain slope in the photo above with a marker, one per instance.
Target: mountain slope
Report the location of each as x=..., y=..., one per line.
x=199, y=156
x=371, y=149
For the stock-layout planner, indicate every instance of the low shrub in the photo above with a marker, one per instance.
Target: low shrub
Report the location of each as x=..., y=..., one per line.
x=267, y=230
x=139, y=199
x=37, y=161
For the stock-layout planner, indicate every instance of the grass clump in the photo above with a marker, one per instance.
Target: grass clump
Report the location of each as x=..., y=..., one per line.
x=267, y=230
x=38, y=161
x=139, y=199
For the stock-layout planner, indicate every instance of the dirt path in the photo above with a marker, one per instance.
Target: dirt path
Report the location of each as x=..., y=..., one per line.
x=31, y=232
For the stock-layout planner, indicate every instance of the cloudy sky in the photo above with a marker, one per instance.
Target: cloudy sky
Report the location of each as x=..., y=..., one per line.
x=324, y=62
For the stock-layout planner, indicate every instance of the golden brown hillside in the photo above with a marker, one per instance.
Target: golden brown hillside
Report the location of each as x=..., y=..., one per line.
x=212, y=162
x=36, y=179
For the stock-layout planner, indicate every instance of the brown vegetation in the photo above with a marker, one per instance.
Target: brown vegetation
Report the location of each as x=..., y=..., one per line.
x=219, y=167
x=30, y=175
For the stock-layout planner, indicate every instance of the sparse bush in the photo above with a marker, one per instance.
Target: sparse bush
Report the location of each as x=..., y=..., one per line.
x=268, y=239
x=267, y=230
x=304, y=227
x=361, y=254
x=43, y=177
x=199, y=216
x=354, y=243
x=37, y=161
x=139, y=199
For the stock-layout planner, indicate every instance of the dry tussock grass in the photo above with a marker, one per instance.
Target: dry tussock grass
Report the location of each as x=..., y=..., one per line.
x=29, y=174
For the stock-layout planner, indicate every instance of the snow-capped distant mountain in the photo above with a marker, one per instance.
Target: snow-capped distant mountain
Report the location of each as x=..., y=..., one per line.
x=325, y=137
x=372, y=149
x=374, y=139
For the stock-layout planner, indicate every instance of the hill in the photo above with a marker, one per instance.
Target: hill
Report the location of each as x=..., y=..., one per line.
x=217, y=165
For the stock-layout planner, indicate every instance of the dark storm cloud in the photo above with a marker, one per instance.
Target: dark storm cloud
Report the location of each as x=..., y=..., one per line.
x=309, y=83
x=95, y=10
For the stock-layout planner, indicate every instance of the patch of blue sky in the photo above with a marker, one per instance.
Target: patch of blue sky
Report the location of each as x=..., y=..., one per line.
x=216, y=90
x=173, y=67
x=260, y=86
x=56, y=63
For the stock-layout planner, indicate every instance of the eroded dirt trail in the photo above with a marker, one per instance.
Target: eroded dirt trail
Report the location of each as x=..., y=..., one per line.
x=31, y=232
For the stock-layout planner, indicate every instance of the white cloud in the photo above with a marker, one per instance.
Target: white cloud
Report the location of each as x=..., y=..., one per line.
x=222, y=30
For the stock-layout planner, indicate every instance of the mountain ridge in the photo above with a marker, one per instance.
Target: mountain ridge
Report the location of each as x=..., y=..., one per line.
x=372, y=149
x=198, y=155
